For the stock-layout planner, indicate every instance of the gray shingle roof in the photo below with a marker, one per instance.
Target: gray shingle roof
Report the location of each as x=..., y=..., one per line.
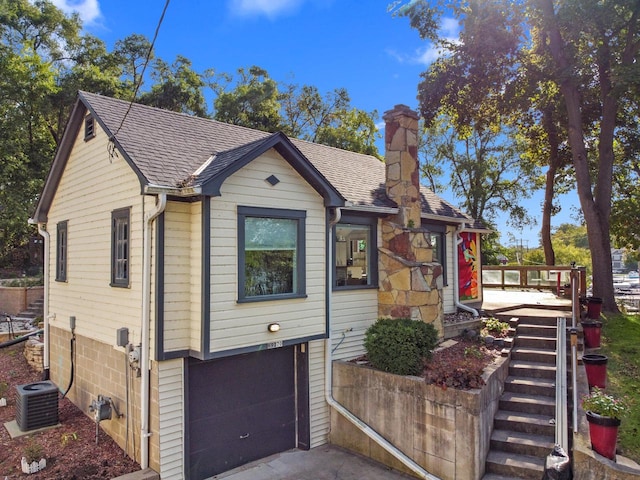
x=168, y=148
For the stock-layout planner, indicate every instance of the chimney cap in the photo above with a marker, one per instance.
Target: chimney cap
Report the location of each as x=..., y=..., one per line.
x=398, y=111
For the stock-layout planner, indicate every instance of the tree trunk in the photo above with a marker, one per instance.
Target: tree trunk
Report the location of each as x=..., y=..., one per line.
x=595, y=214
x=549, y=187
x=547, y=207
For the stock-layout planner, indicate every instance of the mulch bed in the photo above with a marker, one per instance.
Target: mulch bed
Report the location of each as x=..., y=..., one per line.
x=70, y=449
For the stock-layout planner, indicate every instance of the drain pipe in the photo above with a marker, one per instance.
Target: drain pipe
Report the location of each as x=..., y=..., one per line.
x=149, y=217
x=328, y=376
x=456, y=275
x=45, y=308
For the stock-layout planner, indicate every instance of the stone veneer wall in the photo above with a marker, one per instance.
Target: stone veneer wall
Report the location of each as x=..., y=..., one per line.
x=447, y=432
x=410, y=282
x=100, y=369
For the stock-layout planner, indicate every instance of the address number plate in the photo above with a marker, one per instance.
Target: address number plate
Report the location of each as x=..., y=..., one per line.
x=277, y=344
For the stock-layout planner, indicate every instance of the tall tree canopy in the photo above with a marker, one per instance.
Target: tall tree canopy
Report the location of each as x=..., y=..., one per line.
x=481, y=166
x=256, y=100
x=45, y=58
x=589, y=49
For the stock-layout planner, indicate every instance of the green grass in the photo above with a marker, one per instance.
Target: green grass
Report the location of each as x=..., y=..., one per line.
x=621, y=344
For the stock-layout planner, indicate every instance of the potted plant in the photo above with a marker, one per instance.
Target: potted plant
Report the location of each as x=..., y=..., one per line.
x=604, y=414
x=33, y=460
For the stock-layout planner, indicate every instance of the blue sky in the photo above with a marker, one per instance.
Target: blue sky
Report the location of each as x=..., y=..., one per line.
x=355, y=44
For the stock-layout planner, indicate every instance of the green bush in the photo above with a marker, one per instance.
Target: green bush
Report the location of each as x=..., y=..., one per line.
x=400, y=345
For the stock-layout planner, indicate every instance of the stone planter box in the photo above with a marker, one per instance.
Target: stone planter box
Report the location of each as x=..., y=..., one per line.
x=14, y=300
x=447, y=432
x=455, y=329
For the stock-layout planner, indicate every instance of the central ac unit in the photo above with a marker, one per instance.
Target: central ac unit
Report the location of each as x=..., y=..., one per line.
x=37, y=405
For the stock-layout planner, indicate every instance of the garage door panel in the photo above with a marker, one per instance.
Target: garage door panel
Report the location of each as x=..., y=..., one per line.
x=241, y=409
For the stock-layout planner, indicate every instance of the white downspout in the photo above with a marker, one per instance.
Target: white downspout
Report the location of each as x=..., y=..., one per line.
x=456, y=275
x=149, y=217
x=45, y=308
x=328, y=377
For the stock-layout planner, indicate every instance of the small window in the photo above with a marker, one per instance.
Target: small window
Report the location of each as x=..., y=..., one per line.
x=61, y=252
x=89, y=128
x=356, y=261
x=271, y=254
x=120, y=236
x=438, y=243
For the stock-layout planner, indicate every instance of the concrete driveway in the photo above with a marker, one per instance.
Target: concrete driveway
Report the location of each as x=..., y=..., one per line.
x=320, y=463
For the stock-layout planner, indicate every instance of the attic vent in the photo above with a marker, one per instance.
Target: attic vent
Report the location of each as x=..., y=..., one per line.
x=36, y=405
x=273, y=180
x=89, y=128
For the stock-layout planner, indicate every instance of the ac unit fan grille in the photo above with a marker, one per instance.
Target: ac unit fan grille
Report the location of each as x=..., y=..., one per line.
x=36, y=405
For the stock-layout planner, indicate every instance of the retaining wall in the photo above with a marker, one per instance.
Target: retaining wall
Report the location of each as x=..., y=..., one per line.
x=14, y=300
x=447, y=432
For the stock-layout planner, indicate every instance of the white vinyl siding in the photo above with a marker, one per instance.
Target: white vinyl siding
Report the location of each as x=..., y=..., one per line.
x=195, y=258
x=171, y=412
x=448, y=300
x=177, y=275
x=318, y=407
x=92, y=186
x=353, y=312
x=235, y=325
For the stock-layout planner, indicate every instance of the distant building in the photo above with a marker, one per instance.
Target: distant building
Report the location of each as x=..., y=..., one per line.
x=618, y=259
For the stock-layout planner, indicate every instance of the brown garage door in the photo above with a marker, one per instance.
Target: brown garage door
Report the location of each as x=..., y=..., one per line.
x=242, y=408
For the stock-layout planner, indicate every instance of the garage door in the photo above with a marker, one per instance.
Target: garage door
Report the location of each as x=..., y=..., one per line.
x=241, y=408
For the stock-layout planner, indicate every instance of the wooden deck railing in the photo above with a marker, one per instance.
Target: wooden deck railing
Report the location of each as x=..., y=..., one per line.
x=539, y=277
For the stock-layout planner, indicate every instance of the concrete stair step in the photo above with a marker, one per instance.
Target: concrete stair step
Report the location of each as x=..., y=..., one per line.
x=513, y=465
x=527, y=320
x=546, y=331
x=520, y=402
x=532, y=341
x=522, y=443
x=532, y=386
x=524, y=422
x=494, y=476
x=530, y=354
x=522, y=368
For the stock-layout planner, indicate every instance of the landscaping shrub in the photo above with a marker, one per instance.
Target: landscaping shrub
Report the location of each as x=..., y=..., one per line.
x=495, y=327
x=400, y=345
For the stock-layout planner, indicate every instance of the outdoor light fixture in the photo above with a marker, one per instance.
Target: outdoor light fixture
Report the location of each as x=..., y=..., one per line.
x=273, y=327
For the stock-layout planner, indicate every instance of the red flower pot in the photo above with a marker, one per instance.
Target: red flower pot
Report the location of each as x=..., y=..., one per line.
x=604, y=434
x=592, y=330
x=594, y=307
x=596, y=367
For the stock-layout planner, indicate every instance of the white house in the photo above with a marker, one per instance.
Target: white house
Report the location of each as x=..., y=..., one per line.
x=211, y=272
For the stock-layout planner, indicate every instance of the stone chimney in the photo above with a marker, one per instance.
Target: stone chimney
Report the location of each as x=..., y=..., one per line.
x=401, y=159
x=410, y=283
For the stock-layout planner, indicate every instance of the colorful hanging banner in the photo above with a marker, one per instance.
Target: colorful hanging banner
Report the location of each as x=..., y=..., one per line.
x=469, y=266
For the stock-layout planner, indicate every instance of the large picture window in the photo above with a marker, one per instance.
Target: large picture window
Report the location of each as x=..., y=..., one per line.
x=271, y=252
x=120, y=237
x=61, y=252
x=355, y=255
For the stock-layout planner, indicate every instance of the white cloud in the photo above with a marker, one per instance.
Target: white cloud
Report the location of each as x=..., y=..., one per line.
x=449, y=30
x=89, y=10
x=269, y=8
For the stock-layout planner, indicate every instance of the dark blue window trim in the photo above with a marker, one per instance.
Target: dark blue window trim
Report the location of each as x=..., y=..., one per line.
x=62, y=244
x=372, y=247
x=441, y=246
x=299, y=290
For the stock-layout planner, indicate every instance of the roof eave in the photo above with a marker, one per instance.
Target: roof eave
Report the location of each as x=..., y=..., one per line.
x=279, y=142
